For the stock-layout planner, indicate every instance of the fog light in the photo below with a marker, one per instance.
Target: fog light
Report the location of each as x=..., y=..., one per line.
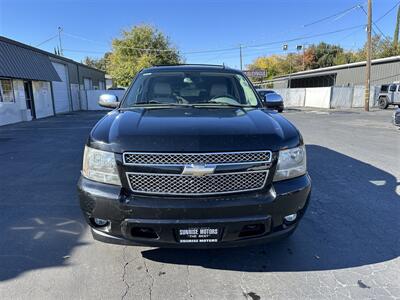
x=290, y=218
x=100, y=222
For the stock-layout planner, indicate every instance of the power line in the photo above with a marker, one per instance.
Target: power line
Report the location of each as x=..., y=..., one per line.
x=48, y=40
x=337, y=16
x=243, y=46
x=307, y=36
x=388, y=12
x=340, y=14
x=125, y=47
x=374, y=23
x=83, y=51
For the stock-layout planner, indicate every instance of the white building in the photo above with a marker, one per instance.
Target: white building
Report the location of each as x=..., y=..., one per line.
x=37, y=84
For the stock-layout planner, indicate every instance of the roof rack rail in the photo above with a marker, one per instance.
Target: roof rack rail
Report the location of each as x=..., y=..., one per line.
x=211, y=65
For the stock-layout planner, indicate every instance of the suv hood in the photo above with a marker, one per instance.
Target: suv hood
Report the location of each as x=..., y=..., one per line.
x=188, y=129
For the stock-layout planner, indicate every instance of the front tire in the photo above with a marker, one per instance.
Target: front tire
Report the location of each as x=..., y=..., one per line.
x=383, y=103
x=280, y=110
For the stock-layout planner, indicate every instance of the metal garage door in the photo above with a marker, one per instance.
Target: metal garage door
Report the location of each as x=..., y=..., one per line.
x=60, y=89
x=87, y=83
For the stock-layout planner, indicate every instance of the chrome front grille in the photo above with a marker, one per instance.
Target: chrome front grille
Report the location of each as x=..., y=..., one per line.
x=135, y=158
x=177, y=184
x=196, y=173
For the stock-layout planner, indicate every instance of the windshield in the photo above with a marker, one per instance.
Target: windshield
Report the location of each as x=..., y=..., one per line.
x=190, y=88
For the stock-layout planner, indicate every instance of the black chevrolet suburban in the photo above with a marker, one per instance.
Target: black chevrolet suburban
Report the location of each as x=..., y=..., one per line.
x=190, y=158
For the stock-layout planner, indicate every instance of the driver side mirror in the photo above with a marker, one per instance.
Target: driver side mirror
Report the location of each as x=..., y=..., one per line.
x=108, y=101
x=265, y=100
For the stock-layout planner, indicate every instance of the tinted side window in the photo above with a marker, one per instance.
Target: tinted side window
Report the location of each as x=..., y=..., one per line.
x=392, y=88
x=398, y=89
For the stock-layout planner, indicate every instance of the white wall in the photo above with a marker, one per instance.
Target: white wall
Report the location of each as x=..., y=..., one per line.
x=42, y=99
x=109, y=83
x=359, y=96
x=341, y=97
x=318, y=97
x=75, y=96
x=10, y=113
x=328, y=97
x=292, y=97
x=92, y=98
x=83, y=99
x=13, y=112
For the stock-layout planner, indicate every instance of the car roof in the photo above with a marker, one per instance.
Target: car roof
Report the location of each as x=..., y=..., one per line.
x=191, y=67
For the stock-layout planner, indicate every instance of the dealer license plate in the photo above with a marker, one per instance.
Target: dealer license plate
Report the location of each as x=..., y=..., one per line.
x=192, y=235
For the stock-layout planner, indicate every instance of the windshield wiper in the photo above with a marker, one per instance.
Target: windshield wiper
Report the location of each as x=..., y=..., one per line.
x=221, y=104
x=195, y=105
x=156, y=104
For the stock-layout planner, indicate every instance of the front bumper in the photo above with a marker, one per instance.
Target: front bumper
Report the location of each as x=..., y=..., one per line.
x=164, y=215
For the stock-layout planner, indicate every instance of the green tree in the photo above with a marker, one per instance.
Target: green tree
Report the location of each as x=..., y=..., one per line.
x=98, y=63
x=380, y=48
x=322, y=55
x=326, y=55
x=138, y=48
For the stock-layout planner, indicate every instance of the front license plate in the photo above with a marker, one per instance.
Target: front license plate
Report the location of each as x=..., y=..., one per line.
x=192, y=235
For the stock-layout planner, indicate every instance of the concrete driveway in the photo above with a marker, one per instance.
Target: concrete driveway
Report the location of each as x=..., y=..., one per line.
x=347, y=246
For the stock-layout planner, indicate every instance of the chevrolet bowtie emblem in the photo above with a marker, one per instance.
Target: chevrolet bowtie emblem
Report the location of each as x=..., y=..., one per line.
x=198, y=170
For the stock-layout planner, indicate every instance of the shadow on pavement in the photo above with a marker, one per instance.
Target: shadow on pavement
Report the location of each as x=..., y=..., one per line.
x=353, y=220
x=40, y=219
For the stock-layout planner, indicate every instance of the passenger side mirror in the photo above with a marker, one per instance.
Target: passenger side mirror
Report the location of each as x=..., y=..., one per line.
x=108, y=101
x=272, y=97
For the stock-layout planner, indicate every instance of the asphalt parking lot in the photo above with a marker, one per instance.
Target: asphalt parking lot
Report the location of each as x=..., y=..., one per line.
x=347, y=246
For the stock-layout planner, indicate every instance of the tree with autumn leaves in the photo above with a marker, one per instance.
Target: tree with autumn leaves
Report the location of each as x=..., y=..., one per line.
x=320, y=56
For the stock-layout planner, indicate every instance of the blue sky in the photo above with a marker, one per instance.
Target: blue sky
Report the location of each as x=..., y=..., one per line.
x=89, y=26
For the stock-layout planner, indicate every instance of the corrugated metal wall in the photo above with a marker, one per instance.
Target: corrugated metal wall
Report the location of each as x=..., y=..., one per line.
x=93, y=74
x=380, y=74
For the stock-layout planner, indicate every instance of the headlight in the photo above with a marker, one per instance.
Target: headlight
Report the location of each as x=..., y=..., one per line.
x=100, y=166
x=291, y=163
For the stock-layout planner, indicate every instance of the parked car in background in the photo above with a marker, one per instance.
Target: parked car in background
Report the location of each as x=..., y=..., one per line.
x=190, y=158
x=271, y=99
x=389, y=95
x=396, y=117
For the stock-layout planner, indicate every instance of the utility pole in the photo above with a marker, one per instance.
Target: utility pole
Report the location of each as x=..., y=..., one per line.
x=368, y=65
x=59, y=40
x=241, y=58
x=285, y=47
x=290, y=71
x=396, y=31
